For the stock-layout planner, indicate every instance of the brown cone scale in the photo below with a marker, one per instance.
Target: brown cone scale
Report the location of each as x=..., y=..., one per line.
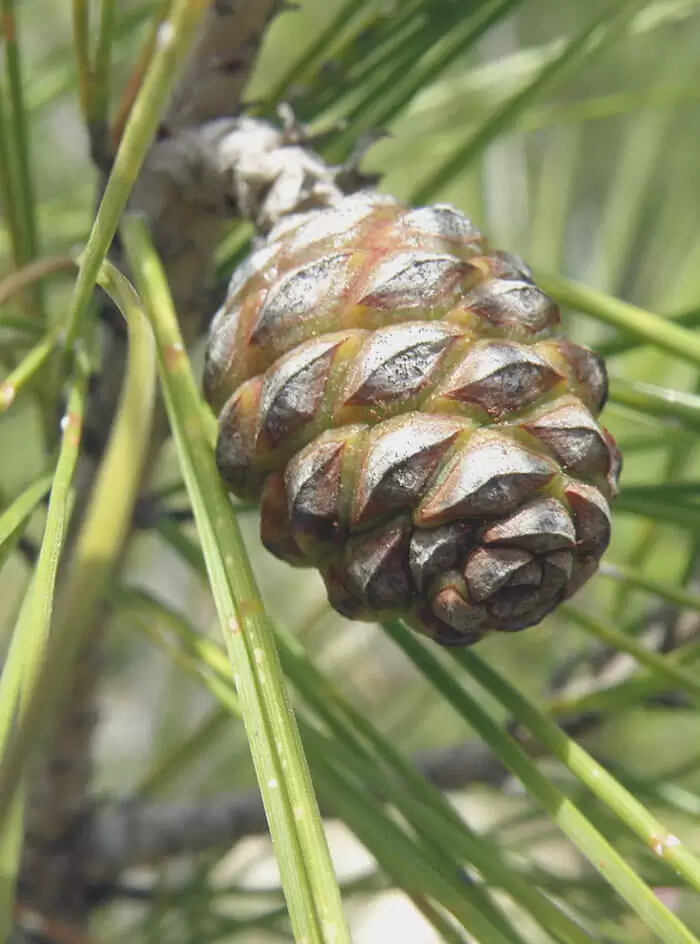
x=390, y=389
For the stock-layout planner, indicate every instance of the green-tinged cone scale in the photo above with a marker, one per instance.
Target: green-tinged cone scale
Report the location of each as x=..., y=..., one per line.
x=391, y=390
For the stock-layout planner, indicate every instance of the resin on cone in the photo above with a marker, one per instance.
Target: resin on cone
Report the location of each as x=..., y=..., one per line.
x=390, y=389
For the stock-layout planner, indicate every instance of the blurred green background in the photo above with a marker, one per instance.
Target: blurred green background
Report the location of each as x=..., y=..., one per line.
x=597, y=178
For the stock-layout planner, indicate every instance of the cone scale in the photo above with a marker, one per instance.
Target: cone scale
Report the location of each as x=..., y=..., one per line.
x=392, y=391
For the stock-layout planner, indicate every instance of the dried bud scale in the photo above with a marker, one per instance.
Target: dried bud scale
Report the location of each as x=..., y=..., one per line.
x=388, y=386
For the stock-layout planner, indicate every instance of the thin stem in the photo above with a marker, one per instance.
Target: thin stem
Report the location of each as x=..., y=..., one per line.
x=164, y=770
x=321, y=46
x=421, y=802
x=384, y=100
x=562, y=810
x=684, y=599
x=14, y=519
x=688, y=318
x=285, y=783
x=27, y=368
x=672, y=675
x=635, y=321
x=133, y=83
x=33, y=272
x=100, y=541
x=179, y=31
x=26, y=197
x=102, y=63
x=81, y=46
x=19, y=684
x=629, y=693
x=9, y=188
x=400, y=856
x=657, y=401
x=657, y=837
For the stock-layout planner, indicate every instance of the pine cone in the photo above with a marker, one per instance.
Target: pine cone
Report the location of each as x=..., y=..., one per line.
x=389, y=387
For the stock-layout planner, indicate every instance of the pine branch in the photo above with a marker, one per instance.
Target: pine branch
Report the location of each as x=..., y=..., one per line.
x=127, y=834
x=193, y=182
x=209, y=166
x=197, y=180
x=53, y=880
x=131, y=833
x=214, y=82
